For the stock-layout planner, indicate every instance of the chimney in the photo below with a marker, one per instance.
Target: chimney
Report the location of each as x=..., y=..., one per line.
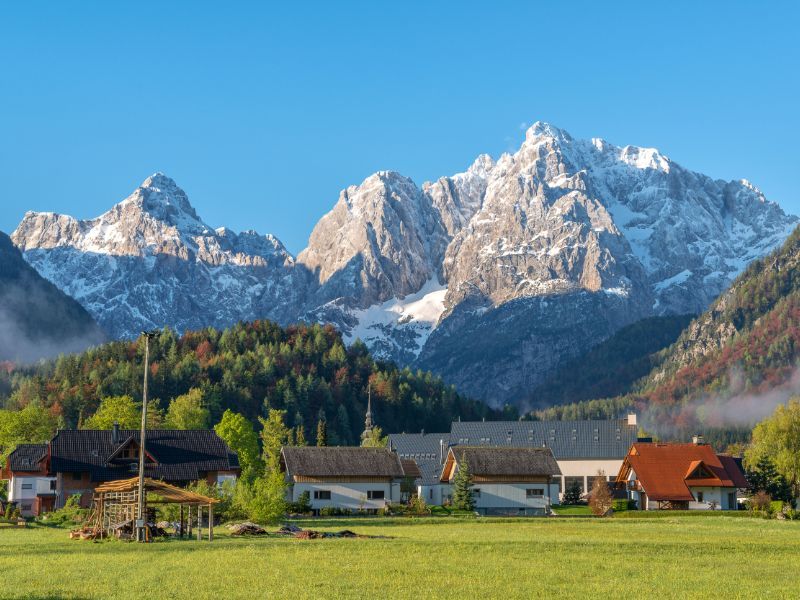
x=632, y=419
x=441, y=452
x=115, y=433
x=698, y=440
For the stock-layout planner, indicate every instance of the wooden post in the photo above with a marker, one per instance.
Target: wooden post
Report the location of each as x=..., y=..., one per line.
x=180, y=525
x=210, y=522
x=189, y=522
x=199, y=522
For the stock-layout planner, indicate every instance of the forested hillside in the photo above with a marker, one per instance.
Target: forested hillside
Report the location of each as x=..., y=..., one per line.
x=731, y=366
x=248, y=368
x=612, y=367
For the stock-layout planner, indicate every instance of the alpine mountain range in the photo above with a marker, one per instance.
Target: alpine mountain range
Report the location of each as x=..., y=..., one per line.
x=491, y=278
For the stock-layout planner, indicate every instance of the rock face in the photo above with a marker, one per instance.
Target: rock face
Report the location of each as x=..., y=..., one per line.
x=150, y=262
x=490, y=277
x=37, y=320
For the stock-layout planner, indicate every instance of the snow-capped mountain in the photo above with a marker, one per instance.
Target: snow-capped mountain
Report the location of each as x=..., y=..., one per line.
x=150, y=261
x=491, y=277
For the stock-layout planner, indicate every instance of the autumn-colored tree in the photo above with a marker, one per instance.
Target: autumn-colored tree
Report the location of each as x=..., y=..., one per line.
x=600, y=498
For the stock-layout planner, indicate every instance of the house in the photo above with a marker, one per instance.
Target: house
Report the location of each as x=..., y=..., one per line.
x=29, y=487
x=76, y=461
x=581, y=448
x=343, y=477
x=680, y=477
x=507, y=481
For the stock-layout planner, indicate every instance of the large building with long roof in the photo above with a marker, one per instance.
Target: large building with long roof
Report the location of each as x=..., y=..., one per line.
x=583, y=449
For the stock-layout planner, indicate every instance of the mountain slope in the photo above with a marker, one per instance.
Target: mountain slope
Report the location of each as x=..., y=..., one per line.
x=493, y=277
x=730, y=366
x=37, y=320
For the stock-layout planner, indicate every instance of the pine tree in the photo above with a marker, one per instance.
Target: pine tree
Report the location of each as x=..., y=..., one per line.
x=322, y=433
x=300, y=436
x=462, y=486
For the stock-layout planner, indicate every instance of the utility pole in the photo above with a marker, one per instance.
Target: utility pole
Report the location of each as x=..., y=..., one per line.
x=141, y=524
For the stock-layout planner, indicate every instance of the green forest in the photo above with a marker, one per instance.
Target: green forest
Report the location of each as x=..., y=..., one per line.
x=304, y=370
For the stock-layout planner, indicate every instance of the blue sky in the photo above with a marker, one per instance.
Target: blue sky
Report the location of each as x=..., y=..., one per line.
x=262, y=114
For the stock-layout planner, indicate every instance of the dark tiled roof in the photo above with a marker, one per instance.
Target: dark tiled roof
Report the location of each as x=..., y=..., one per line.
x=180, y=455
x=487, y=462
x=567, y=439
x=424, y=449
x=26, y=457
x=410, y=468
x=341, y=461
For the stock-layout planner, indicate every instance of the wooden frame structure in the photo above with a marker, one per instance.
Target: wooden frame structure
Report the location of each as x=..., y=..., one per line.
x=115, y=504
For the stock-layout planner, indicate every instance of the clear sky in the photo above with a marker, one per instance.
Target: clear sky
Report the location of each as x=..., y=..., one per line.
x=262, y=114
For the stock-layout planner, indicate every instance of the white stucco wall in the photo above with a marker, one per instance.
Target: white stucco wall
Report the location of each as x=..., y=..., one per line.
x=509, y=495
x=712, y=494
x=587, y=469
x=352, y=496
x=16, y=493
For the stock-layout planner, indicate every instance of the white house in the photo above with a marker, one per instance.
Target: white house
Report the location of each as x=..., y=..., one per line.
x=507, y=481
x=680, y=477
x=348, y=478
x=29, y=487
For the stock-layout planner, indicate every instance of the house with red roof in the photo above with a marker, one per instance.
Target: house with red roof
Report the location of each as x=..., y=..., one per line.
x=680, y=477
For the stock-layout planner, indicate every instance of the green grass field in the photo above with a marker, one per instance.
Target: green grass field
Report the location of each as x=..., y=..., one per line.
x=671, y=557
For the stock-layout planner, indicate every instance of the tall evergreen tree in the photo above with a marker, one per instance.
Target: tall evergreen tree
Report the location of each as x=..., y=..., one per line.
x=462, y=486
x=322, y=433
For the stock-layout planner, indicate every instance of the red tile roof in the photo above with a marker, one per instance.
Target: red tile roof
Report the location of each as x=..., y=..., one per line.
x=666, y=471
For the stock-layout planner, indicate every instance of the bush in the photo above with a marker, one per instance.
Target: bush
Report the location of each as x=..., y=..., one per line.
x=70, y=514
x=759, y=502
x=775, y=506
x=302, y=506
x=572, y=494
x=418, y=506
x=622, y=504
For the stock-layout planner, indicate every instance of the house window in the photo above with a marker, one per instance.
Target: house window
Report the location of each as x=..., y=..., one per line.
x=375, y=495
x=699, y=496
x=76, y=476
x=570, y=481
x=476, y=492
x=322, y=494
x=27, y=486
x=52, y=484
x=430, y=493
x=534, y=492
x=26, y=506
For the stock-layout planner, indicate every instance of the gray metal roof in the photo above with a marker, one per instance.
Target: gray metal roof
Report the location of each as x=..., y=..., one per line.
x=341, y=461
x=424, y=449
x=594, y=439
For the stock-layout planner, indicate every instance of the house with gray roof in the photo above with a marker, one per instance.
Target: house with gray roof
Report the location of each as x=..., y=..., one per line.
x=344, y=477
x=505, y=480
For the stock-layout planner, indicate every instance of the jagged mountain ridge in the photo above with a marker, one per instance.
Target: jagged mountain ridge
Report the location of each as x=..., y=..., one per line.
x=490, y=277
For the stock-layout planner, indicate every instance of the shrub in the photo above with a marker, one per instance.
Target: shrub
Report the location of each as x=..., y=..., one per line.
x=775, y=506
x=572, y=494
x=623, y=504
x=759, y=502
x=302, y=506
x=418, y=506
x=600, y=501
x=70, y=514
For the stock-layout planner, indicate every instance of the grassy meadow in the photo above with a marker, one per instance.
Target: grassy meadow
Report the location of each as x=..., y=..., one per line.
x=670, y=557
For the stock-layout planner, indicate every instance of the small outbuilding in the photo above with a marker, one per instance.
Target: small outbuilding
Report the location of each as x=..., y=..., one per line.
x=507, y=481
x=344, y=477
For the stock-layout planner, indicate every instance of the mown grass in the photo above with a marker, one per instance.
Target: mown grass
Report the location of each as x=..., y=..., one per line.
x=668, y=557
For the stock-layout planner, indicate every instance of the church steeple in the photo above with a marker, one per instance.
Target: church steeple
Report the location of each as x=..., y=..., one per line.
x=368, y=425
